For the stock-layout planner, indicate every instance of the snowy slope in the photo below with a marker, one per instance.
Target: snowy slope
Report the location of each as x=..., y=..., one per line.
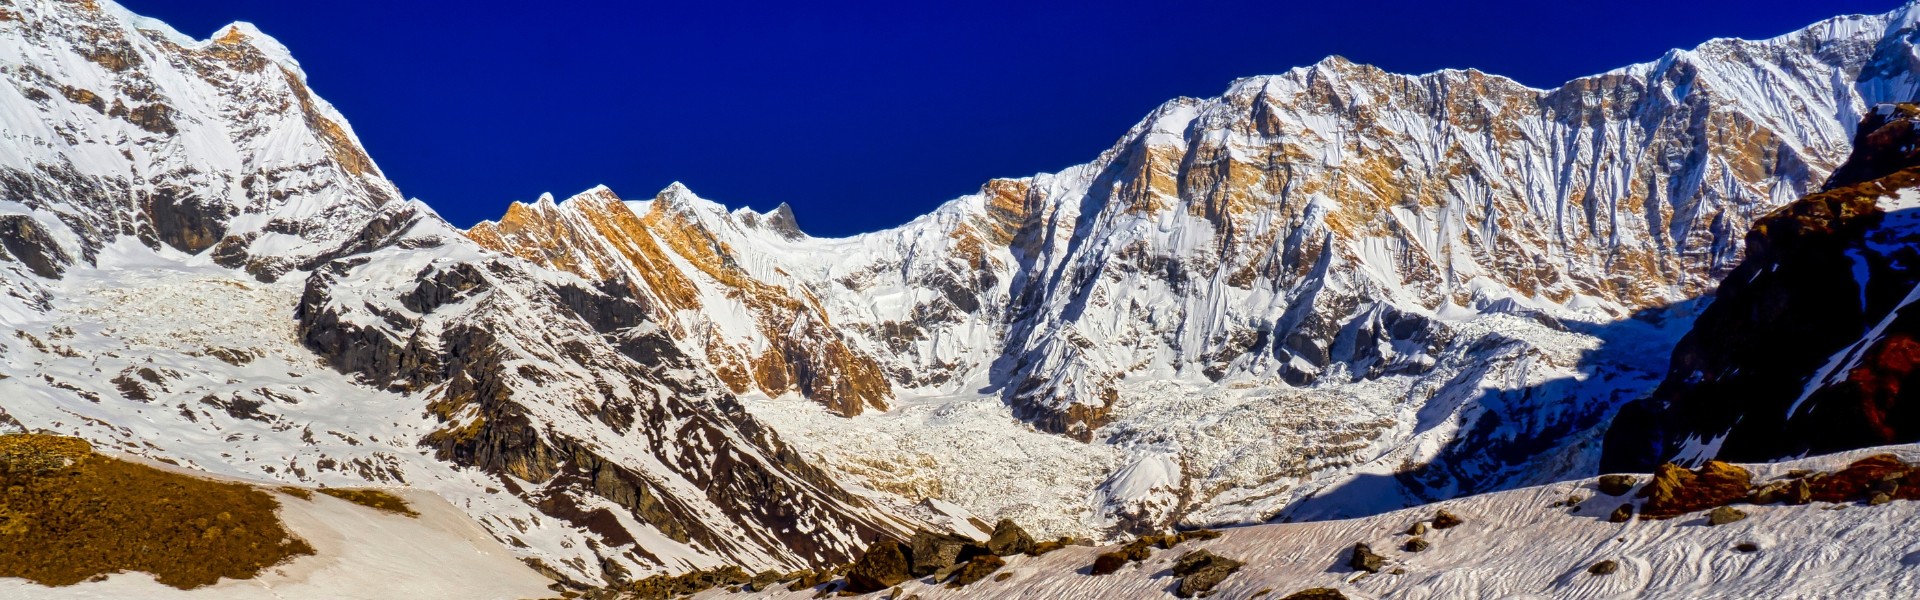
x=1518, y=544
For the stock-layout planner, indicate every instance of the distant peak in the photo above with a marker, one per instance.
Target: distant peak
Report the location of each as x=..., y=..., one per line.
x=781, y=221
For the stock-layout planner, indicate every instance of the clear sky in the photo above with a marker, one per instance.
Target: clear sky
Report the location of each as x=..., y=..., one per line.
x=865, y=115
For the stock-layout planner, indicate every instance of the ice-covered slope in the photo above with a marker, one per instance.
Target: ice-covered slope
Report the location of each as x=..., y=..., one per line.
x=1516, y=544
x=201, y=265
x=1419, y=285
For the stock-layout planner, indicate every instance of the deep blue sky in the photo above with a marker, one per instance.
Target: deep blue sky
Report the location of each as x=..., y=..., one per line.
x=863, y=116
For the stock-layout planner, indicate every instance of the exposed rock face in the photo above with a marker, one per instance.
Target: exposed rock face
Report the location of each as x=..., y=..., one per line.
x=785, y=342
x=1808, y=341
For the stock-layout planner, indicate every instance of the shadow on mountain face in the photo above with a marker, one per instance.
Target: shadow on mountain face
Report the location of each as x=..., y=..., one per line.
x=1505, y=436
x=1809, y=349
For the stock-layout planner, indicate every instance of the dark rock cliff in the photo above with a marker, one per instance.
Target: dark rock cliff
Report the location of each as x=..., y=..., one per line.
x=1807, y=343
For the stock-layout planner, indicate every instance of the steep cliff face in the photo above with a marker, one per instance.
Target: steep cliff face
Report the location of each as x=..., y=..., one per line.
x=1809, y=340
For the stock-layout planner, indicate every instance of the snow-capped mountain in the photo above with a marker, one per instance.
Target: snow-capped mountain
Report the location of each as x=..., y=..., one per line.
x=203, y=265
x=1418, y=285
x=1330, y=291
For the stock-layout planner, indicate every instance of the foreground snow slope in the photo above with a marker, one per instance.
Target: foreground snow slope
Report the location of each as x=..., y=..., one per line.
x=359, y=553
x=1516, y=545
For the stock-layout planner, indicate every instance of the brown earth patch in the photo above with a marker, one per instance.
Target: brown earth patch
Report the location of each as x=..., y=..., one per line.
x=372, y=498
x=68, y=515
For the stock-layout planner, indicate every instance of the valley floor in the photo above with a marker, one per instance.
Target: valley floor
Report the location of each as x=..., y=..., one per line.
x=1517, y=545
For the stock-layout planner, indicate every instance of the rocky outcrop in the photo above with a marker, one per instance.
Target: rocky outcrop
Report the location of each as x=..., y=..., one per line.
x=24, y=240
x=883, y=565
x=1808, y=341
x=1676, y=491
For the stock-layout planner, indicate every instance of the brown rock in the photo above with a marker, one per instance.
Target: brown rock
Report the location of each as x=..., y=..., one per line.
x=932, y=552
x=1676, y=491
x=1622, y=514
x=1419, y=528
x=1605, y=567
x=1446, y=520
x=1045, y=547
x=1416, y=545
x=1009, y=539
x=1617, y=485
x=882, y=566
x=976, y=569
x=1107, y=563
x=1725, y=515
x=1316, y=594
x=1747, y=547
x=1199, y=571
x=1363, y=559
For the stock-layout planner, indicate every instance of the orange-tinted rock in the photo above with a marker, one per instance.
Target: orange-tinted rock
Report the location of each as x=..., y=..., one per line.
x=1858, y=481
x=1676, y=491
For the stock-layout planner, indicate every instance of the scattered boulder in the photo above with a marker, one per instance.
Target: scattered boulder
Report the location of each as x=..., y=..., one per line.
x=1045, y=547
x=1416, y=545
x=1747, y=547
x=1675, y=491
x=1446, y=520
x=882, y=566
x=1622, y=514
x=1316, y=594
x=1418, y=528
x=1605, y=567
x=1009, y=539
x=975, y=569
x=1107, y=563
x=1724, y=515
x=1617, y=485
x=1199, y=571
x=1363, y=559
x=932, y=552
